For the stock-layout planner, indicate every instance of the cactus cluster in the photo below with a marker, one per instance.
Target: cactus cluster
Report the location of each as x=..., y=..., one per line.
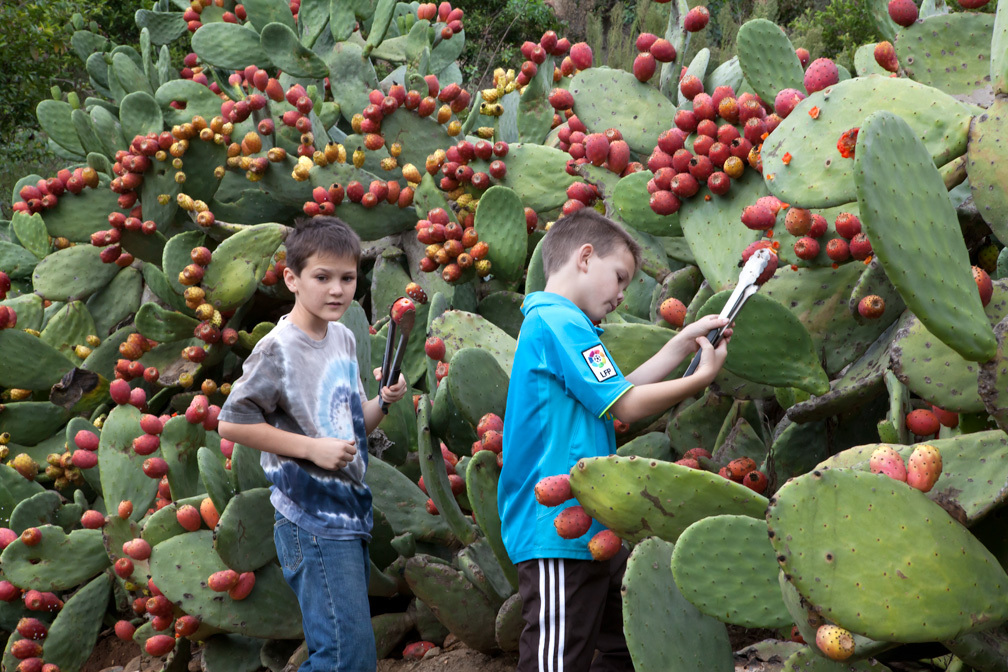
x=135, y=281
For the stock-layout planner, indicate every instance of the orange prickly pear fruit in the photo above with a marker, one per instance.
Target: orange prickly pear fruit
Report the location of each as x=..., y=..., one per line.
x=836, y=643
x=924, y=467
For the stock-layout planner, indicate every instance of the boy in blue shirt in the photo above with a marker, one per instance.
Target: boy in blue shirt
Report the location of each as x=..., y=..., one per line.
x=301, y=402
x=563, y=393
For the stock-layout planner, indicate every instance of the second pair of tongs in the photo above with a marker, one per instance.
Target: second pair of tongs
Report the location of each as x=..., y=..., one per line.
x=402, y=315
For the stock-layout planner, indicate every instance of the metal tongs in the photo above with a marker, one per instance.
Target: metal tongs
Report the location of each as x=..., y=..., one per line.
x=402, y=315
x=745, y=288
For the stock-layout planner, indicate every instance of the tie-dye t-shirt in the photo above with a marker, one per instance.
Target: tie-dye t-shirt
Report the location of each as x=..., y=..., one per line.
x=313, y=388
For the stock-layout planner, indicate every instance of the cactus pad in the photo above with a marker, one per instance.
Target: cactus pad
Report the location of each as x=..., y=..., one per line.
x=58, y=562
x=664, y=632
x=768, y=59
x=950, y=52
x=869, y=550
x=987, y=177
x=638, y=498
x=500, y=222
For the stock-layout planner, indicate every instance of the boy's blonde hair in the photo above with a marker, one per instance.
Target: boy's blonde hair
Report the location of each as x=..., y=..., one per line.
x=586, y=225
x=321, y=235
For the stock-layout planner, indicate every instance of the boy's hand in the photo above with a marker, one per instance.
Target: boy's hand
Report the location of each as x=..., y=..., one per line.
x=333, y=454
x=690, y=334
x=711, y=358
x=392, y=393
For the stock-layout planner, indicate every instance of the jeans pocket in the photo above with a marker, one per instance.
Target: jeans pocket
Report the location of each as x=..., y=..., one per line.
x=285, y=536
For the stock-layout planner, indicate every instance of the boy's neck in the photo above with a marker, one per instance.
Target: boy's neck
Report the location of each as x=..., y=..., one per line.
x=558, y=284
x=315, y=328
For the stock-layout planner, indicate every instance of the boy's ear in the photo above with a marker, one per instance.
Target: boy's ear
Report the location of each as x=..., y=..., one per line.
x=290, y=279
x=583, y=254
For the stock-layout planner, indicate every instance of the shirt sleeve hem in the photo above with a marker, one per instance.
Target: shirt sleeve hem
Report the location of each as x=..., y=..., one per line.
x=615, y=399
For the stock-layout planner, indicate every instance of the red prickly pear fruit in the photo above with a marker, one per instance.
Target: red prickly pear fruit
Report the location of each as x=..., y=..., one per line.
x=758, y=218
x=871, y=307
x=457, y=484
x=756, y=481
x=604, y=545
x=697, y=453
x=719, y=183
x=84, y=459
x=8, y=591
x=662, y=50
x=771, y=203
x=159, y=645
x=188, y=517
x=581, y=55
x=644, y=66
x=771, y=266
x=821, y=73
x=31, y=536
x=561, y=99
x=803, y=56
x=123, y=567
x=922, y=422
x=847, y=225
x=155, y=467
x=798, y=221
x=243, y=586
x=644, y=41
x=119, y=390
x=223, y=581
x=885, y=56
x=32, y=628
x=417, y=650
x=887, y=460
x=401, y=306
x=924, y=467
x=946, y=418
x=786, y=100
x=92, y=520
x=836, y=643
x=209, y=513
x=138, y=549
x=664, y=202
x=673, y=311
x=596, y=148
x=125, y=509
x=422, y=486
x=984, y=284
x=489, y=421
x=696, y=19
x=145, y=444
x=124, y=630
x=434, y=347
x=7, y=535
x=739, y=467
x=33, y=664
x=186, y=625
x=553, y=490
x=572, y=522
x=25, y=648
x=450, y=458
x=903, y=12
x=432, y=508
x=86, y=440
x=151, y=424
x=688, y=462
x=619, y=156
x=493, y=440
x=158, y=605
x=860, y=247
x=838, y=250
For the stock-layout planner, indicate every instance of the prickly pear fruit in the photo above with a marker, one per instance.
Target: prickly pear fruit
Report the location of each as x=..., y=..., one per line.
x=123, y=567
x=223, y=581
x=902, y=12
x=739, y=467
x=186, y=625
x=417, y=650
x=159, y=645
x=772, y=263
x=947, y=418
x=886, y=460
x=924, y=467
x=86, y=440
x=25, y=648
x=984, y=284
x=32, y=628
x=31, y=536
x=138, y=549
x=871, y=307
x=209, y=513
x=7, y=535
x=401, y=306
x=673, y=311
x=553, y=490
x=84, y=459
x=434, y=348
x=125, y=509
x=188, y=517
x=92, y=520
x=604, y=545
x=490, y=421
x=821, y=73
x=124, y=630
x=697, y=453
x=572, y=522
x=243, y=586
x=922, y=422
x=756, y=481
x=696, y=19
x=836, y=643
x=885, y=56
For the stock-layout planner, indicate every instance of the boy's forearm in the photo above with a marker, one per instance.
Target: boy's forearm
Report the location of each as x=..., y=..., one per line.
x=642, y=401
x=662, y=363
x=372, y=414
x=267, y=438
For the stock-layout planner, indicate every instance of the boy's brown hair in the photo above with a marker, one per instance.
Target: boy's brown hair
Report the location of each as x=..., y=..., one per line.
x=321, y=235
x=586, y=225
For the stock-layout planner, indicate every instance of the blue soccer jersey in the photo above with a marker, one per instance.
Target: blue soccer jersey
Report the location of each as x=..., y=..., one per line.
x=563, y=383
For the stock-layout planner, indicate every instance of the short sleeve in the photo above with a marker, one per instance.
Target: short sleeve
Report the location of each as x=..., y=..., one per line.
x=256, y=393
x=588, y=371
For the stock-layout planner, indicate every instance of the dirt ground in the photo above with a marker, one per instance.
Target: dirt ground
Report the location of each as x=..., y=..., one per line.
x=113, y=655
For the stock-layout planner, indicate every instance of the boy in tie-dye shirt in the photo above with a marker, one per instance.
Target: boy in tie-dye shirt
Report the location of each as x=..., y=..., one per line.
x=301, y=402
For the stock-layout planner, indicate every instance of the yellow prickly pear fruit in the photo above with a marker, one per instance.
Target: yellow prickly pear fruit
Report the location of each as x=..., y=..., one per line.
x=82, y=351
x=454, y=128
x=411, y=173
x=485, y=132
x=836, y=643
x=389, y=163
x=358, y=158
x=185, y=201
x=444, y=113
x=24, y=465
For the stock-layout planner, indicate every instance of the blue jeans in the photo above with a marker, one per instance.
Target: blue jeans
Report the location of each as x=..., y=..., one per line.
x=330, y=579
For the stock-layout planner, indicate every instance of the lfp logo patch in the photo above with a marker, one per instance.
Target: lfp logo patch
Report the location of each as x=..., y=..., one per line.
x=599, y=363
